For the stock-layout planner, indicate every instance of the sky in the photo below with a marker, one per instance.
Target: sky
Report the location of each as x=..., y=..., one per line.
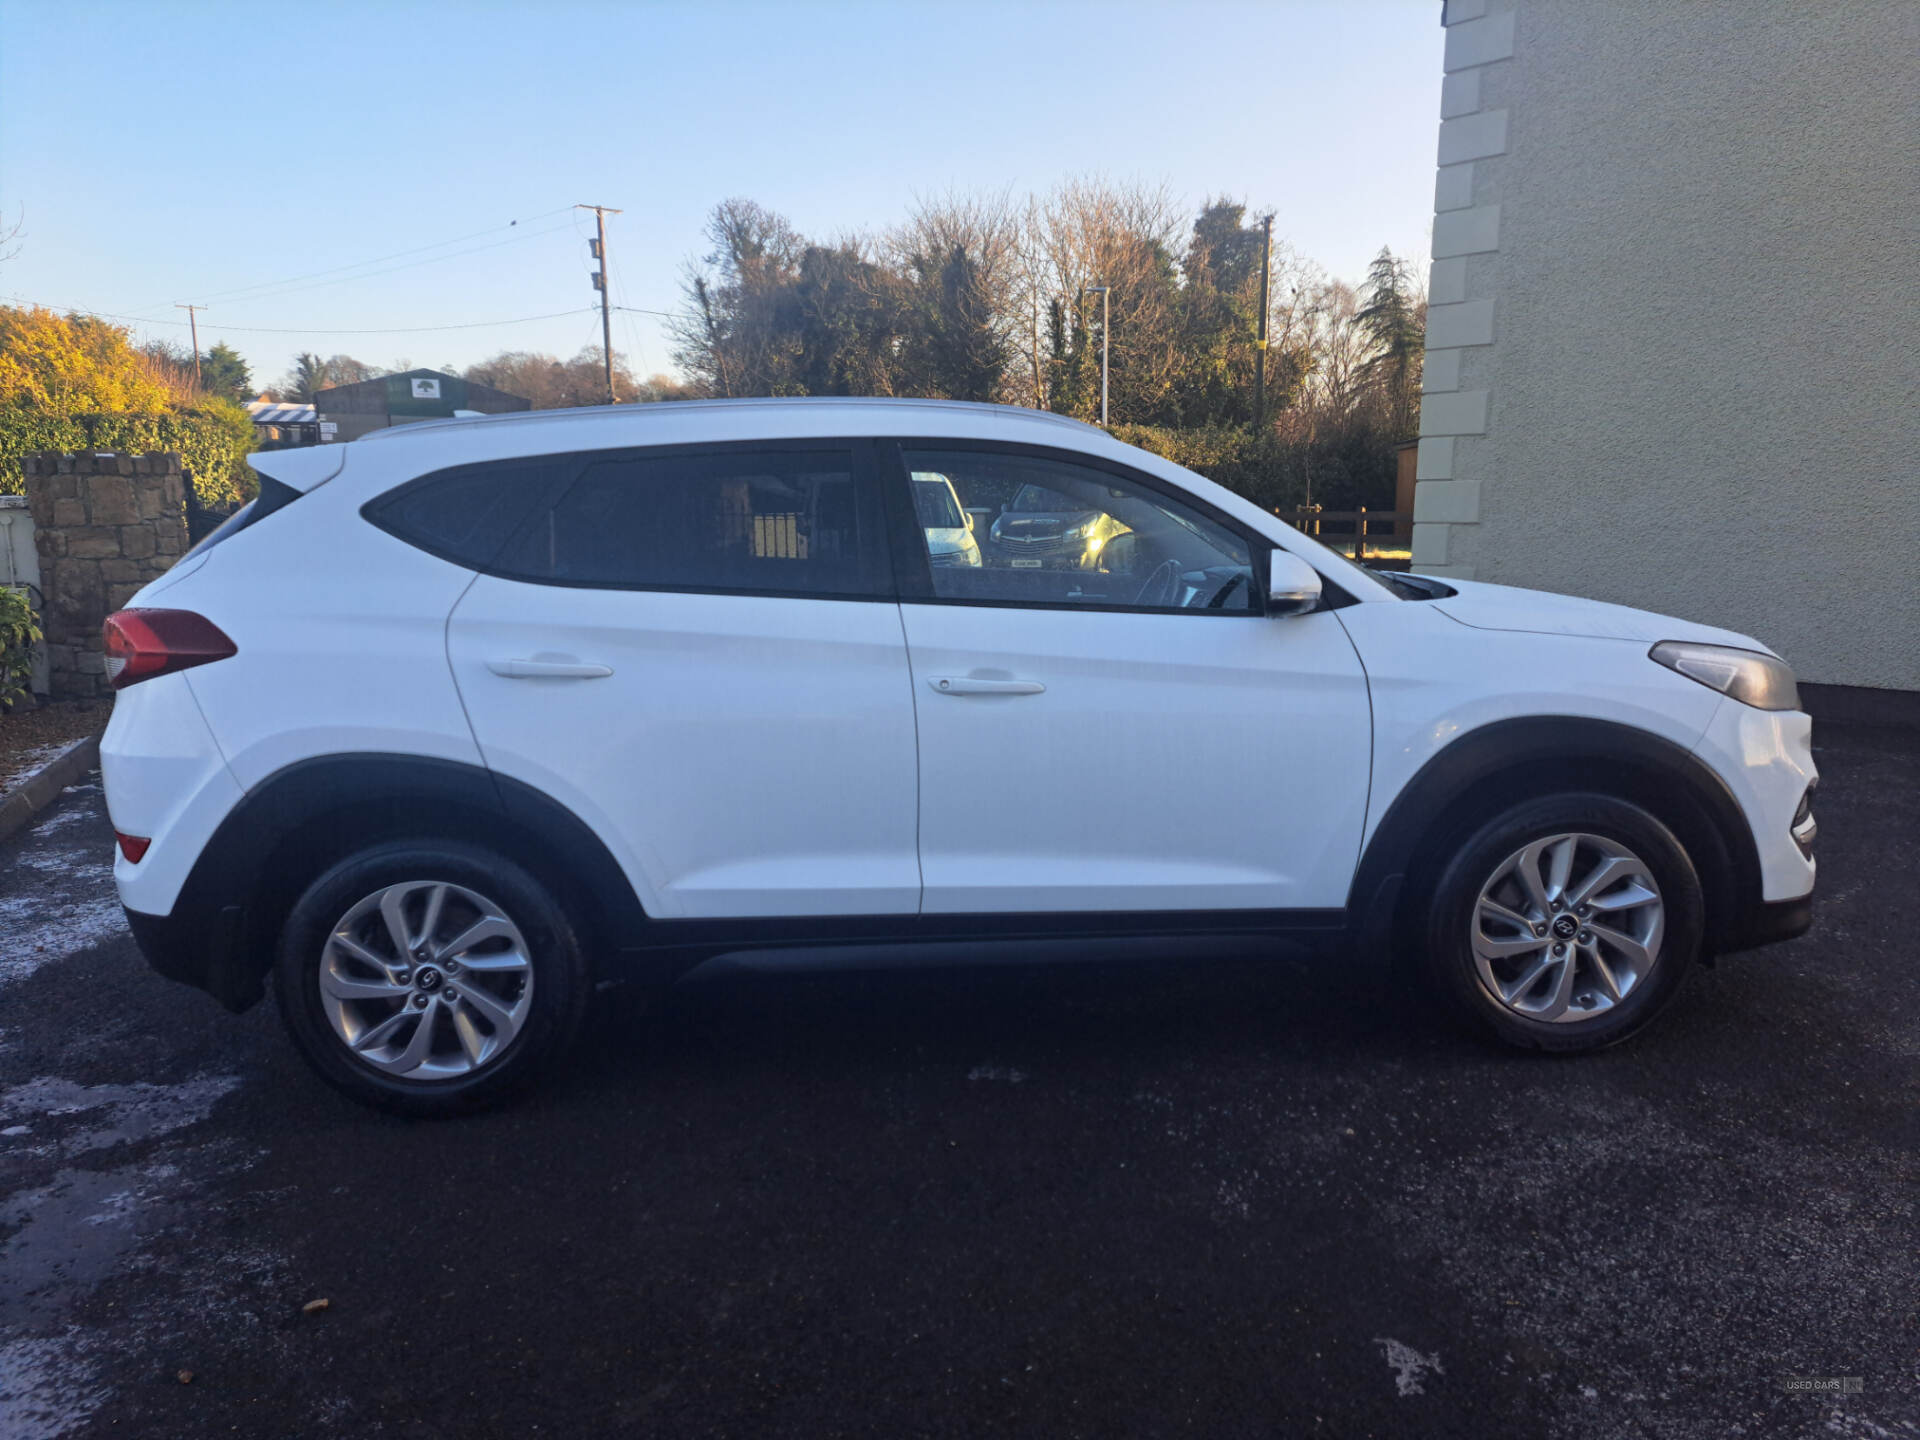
x=409, y=167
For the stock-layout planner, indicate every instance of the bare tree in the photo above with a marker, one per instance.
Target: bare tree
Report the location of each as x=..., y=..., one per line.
x=550, y=382
x=10, y=235
x=734, y=339
x=169, y=364
x=1093, y=232
x=957, y=262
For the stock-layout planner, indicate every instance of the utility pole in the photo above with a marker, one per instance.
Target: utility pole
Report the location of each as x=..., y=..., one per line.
x=600, y=213
x=193, y=328
x=1106, y=324
x=1260, y=345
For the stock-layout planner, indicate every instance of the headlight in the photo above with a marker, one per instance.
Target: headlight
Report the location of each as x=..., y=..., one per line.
x=1748, y=676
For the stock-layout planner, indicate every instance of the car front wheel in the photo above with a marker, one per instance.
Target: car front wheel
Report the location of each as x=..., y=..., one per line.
x=1566, y=923
x=429, y=977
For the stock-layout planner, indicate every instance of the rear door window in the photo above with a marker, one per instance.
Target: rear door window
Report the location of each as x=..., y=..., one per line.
x=801, y=521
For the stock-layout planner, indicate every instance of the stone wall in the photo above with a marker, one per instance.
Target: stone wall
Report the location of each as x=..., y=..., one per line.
x=105, y=525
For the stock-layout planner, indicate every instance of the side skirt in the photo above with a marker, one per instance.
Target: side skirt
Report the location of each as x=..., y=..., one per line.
x=666, y=949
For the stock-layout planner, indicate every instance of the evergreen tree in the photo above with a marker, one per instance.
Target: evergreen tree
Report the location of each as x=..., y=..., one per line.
x=224, y=373
x=954, y=349
x=1394, y=322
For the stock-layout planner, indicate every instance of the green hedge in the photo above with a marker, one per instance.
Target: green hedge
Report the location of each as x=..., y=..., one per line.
x=1255, y=466
x=18, y=632
x=212, y=441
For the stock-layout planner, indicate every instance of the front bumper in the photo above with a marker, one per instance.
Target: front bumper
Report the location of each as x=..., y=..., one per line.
x=1766, y=759
x=1765, y=924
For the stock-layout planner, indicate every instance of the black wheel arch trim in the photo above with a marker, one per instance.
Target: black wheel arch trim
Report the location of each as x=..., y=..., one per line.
x=223, y=927
x=221, y=933
x=1508, y=760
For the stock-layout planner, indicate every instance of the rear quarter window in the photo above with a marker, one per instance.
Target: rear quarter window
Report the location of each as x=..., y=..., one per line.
x=466, y=515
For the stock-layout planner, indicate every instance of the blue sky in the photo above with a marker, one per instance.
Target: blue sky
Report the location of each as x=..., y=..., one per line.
x=258, y=158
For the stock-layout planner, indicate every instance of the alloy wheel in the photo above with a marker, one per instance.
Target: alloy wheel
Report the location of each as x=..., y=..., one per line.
x=427, y=980
x=1567, y=927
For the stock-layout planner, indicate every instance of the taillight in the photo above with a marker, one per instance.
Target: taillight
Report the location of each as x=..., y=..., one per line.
x=144, y=643
x=134, y=847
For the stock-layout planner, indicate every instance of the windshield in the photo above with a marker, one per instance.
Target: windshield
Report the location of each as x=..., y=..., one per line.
x=1038, y=498
x=933, y=500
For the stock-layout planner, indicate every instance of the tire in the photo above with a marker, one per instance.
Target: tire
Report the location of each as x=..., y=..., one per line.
x=435, y=1031
x=1628, y=955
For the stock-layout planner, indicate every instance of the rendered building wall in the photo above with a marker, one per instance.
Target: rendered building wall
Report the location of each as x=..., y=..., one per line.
x=1673, y=353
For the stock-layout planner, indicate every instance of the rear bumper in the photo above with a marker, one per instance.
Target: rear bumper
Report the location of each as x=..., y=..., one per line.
x=1766, y=924
x=201, y=949
x=165, y=781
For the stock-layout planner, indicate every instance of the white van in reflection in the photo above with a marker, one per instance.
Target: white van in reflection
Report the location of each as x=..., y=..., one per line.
x=949, y=528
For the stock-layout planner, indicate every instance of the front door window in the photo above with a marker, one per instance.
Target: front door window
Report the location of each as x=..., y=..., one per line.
x=1068, y=534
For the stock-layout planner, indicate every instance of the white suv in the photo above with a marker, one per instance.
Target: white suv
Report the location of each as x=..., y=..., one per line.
x=458, y=719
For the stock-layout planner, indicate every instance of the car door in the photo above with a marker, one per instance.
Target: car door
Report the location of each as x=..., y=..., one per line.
x=697, y=650
x=1116, y=724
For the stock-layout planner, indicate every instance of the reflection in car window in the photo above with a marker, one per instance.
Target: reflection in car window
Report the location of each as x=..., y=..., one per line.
x=1038, y=497
x=1067, y=534
x=933, y=499
x=777, y=521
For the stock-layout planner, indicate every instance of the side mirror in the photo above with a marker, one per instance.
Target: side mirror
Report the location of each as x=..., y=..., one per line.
x=1293, y=586
x=969, y=522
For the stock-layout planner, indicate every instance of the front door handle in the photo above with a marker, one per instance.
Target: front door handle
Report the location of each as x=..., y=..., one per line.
x=548, y=669
x=968, y=685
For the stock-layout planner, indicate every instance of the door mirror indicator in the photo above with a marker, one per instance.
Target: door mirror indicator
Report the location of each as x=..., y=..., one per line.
x=1293, y=586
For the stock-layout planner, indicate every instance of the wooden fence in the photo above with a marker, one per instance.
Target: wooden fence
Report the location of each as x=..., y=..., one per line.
x=1358, y=532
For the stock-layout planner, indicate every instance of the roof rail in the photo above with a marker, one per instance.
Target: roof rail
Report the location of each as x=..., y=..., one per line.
x=608, y=412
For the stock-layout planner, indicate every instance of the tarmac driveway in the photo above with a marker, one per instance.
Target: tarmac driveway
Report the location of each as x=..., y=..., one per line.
x=1152, y=1197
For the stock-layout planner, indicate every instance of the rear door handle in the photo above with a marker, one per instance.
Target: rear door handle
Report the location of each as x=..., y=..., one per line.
x=548, y=669
x=968, y=685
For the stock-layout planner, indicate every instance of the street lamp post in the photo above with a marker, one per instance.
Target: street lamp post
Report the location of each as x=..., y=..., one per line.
x=1106, y=324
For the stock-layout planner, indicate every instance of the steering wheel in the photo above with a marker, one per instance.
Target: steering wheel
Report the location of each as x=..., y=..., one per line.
x=1234, y=582
x=1162, y=587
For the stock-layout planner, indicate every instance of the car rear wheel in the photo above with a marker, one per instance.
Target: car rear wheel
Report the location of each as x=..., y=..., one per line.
x=430, y=977
x=1565, y=923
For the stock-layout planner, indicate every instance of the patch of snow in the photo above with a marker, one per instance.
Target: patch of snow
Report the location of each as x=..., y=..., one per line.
x=997, y=1072
x=73, y=860
x=61, y=818
x=47, y=1386
x=1409, y=1366
x=26, y=762
x=119, y=1114
x=39, y=929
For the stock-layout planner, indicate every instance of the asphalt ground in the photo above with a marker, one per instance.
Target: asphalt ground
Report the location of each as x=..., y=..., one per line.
x=1260, y=1195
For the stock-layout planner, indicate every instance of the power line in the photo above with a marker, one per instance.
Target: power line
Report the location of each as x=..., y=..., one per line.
x=633, y=329
x=393, y=269
x=381, y=259
x=283, y=330
x=413, y=329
